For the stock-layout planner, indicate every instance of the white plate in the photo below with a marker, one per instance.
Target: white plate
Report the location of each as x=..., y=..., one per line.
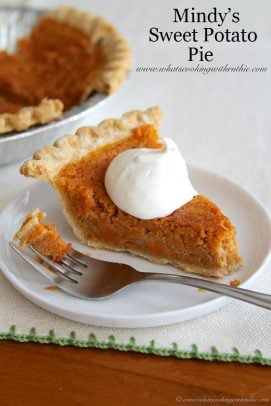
x=149, y=303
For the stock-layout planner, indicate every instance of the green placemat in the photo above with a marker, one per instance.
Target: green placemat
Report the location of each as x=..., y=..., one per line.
x=237, y=332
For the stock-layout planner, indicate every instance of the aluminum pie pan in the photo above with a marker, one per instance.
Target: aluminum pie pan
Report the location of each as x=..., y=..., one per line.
x=15, y=146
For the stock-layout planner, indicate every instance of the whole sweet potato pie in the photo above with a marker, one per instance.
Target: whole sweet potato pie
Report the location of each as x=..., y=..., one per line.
x=68, y=55
x=197, y=237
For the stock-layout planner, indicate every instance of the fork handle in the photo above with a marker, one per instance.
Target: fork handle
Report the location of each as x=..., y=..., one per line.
x=249, y=296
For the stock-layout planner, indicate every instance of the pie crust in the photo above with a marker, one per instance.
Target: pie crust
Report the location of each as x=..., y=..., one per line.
x=107, y=79
x=46, y=111
x=48, y=161
x=205, y=239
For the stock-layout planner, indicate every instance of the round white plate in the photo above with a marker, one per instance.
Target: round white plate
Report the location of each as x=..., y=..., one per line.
x=149, y=303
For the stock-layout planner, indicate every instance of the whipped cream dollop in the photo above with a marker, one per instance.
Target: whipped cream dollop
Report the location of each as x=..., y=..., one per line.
x=149, y=183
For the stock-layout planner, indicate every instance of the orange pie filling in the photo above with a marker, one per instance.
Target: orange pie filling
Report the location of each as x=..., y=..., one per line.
x=42, y=236
x=56, y=61
x=197, y=234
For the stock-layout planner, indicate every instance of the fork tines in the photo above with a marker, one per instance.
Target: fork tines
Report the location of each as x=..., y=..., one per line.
x=60, y=268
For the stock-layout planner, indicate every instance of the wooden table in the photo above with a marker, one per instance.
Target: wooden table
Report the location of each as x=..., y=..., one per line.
x=35, y=374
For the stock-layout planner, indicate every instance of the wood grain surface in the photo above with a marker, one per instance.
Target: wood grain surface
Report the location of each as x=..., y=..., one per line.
x=35, y=374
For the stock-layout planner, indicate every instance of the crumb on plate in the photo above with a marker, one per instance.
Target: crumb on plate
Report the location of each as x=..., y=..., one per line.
x=52, y=288
x=235, y=283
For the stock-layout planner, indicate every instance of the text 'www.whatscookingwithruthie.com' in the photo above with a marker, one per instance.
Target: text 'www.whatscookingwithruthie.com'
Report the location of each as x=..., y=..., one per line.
x=200, y=68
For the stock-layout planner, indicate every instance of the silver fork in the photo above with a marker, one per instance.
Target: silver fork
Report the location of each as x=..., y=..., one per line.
x=90, y=278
